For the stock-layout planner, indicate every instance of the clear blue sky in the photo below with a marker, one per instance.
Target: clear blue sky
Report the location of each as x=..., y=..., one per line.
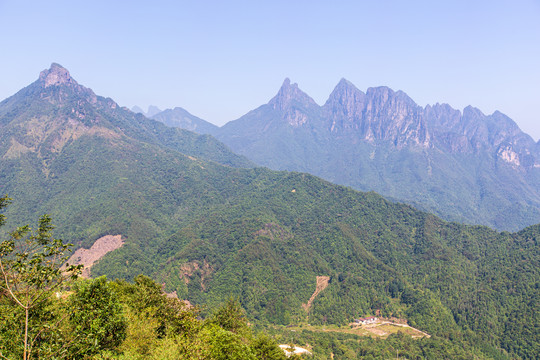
x=220, y=59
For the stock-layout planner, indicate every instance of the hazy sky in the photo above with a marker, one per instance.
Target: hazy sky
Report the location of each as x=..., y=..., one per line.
x=220, y=59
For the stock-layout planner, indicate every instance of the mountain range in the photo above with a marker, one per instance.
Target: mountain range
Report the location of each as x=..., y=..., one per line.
x=461, y=165
x=210, y=225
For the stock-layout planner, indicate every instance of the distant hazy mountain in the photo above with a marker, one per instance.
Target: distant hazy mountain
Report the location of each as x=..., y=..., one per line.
x=152, y=110
x=463, y=166
x=211, y=232
x=138, y=110
x=180, y=118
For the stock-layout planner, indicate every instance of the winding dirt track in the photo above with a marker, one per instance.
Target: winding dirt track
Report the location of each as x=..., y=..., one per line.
x=322, y=283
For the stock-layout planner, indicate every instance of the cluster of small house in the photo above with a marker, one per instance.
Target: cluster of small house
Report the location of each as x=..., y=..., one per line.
x=366, y=320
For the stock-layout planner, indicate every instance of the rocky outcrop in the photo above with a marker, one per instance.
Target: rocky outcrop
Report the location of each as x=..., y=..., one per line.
x=293, y=104
x=56, y=76
x=462, y=165
x=344, y=108
x=379, y=115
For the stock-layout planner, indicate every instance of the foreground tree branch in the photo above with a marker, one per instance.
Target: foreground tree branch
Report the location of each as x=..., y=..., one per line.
x=31, y=265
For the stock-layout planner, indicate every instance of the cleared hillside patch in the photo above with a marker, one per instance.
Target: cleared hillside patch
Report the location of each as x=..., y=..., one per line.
x=322, y=283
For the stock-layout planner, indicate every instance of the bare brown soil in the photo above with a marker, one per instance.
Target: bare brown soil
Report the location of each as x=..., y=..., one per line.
x=204, y=270
x=88, y=257
x=322, y=283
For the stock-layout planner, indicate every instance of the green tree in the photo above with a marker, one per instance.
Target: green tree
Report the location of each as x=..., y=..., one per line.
x=225, y=345
x=97, y=317
x=265, y=348
x=31, y=270
x=231, y=317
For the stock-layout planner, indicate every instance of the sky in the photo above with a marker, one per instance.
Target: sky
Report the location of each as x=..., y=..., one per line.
x=221, y=59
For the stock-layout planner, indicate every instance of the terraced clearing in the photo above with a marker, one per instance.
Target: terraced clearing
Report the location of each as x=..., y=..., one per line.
x=378, y=330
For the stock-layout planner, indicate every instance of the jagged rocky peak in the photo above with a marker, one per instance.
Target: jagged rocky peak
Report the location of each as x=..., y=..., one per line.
x=505, y=126
x=394, y=116
x=293, y=104
x=472, y=112
x=390, y=106
x=442, y=116
x=344, y=107
x=345, y=93
x=56, y=75
x=384, y=96
x=289, y=95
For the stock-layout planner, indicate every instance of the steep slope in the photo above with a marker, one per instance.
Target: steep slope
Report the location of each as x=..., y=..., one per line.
x=465, y=167
x=55, y=110
x=58, y=139
x=210, y=231
x=290, y=127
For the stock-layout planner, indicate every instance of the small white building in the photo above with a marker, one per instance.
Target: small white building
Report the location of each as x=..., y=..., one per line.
x=366, y=320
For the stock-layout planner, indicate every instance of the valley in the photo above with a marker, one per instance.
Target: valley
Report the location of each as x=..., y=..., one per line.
x=290, y=248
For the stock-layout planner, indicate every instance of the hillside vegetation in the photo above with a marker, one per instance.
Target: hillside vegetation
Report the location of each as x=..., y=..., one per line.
x=211, y=231
x=461, y=165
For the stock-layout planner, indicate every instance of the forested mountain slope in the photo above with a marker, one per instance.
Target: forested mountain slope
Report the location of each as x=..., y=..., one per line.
x=209, y=231
x=463, y=166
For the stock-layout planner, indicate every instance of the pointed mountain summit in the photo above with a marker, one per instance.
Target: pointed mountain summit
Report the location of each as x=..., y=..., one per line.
x=55, y=111
x=379, y=115
x=464, y=166
x=343, y=109
x=287, y=126
x=152, y=110
x=137, y=110
x=290, y=95
x=394, y=117
x=293, y=105
x=56, y=75
x=345, y=93
x=193, y=224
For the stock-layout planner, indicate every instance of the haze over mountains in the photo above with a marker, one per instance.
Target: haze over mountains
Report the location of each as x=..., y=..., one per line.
x=152, y=110
x=209, y=225
x=462, y=165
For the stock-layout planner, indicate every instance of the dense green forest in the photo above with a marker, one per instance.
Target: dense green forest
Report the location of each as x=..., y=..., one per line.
x=70, y=318
x=438, y=159
x=194, y=219
x=47, y=313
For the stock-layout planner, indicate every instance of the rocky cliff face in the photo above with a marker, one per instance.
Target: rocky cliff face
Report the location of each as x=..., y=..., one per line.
x=58, y=77
x=55, y=111
x=472, y=132
x=344, y=108
x=462, y=165
x=293, y=104
x=379, y=115
x=393, y=117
